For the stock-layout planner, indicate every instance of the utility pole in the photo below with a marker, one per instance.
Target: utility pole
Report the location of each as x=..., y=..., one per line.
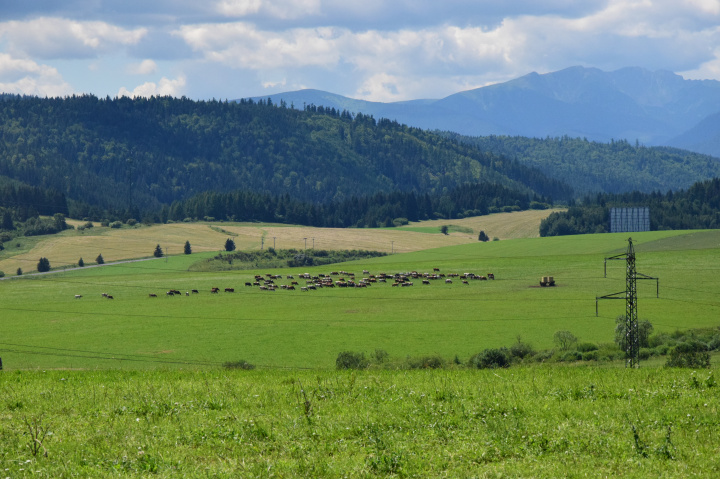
x=273, y=242
x=305, y=243
x=313, y=243
x=632, y=336
x=392, y=247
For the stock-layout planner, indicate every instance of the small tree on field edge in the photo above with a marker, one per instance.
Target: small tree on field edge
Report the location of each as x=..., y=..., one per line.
x=483, y=237
x=564, y=339
x=229, y=245
x=43, y=265
x=19, y=272
x=158, y=253
x=81, y=263
x=444, y=229
x=100, y=259
x=188, y=249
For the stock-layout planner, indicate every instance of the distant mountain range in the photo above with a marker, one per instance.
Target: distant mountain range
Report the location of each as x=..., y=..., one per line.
x=653, y=108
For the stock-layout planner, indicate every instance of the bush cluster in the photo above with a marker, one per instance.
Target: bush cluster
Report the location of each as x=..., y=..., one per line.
x=684, y=349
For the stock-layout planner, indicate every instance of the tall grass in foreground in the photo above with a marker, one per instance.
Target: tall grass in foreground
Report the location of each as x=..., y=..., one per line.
x=528, y=422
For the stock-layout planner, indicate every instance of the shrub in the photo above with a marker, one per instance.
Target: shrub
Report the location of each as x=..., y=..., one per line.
x=242, y=364
x=661, y=350
x=229, y=245
x=89, y=224
x=81, y=263
x=645, y=353
x=100, y=259
x=105, y=223
x=483, y=237
x=351, y=360
x=400, y=221
x=521, y=350
x=569, y=356
x=380, y=355
x=19, y=272
x=587, y=347
x=158, y=253
x=590, y=356
x=2, y=274
x=490, y=359
x=131, y=222
x=116, y=224
x=688, y=355
x=426, y=362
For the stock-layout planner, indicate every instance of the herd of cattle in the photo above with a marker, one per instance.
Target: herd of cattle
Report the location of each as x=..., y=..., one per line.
x=339, y=279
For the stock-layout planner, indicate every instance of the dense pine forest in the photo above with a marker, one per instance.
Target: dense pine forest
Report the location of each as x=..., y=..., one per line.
x=593, y=167
x=695, y=208
x=173, y=159
x=141, y=153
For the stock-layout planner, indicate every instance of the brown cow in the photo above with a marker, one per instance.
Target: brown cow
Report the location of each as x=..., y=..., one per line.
x=229, y=290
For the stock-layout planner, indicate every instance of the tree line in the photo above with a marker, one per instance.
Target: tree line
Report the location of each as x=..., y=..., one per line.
x=377, y=210
x=698, y=207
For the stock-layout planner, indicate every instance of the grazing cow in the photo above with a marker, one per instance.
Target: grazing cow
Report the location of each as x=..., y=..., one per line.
x=448, y=281
x=491, y=276
x=215, y=290
x=187, y=293
x=229, y=290
x=425, y=281
x=291, y=288
x=248, y=284
x=78, y=296
x=195, y=291
x=104, y=295
x=465, y=281
x=153, y=295
x=303, y=288
x=169, y=293
x=109, y=297
x=436, y=270
x=395, y=284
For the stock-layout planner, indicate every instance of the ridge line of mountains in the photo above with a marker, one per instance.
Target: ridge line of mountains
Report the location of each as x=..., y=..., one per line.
x=656, y=108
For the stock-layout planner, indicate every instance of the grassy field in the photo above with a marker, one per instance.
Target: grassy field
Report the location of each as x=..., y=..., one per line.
x=521, y=422
x=44, y=326
x=68, y=247
x=134, y=386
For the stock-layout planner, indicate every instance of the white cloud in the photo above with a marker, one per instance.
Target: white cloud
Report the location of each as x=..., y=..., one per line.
x=62, y=38
x=145, y=67
x=281, y=9
x=164, y=87
x=26, y=77
x=241, y=45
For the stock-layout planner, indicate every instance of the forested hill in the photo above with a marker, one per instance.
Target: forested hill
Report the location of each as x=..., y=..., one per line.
x=139, y=154
x=592, y=167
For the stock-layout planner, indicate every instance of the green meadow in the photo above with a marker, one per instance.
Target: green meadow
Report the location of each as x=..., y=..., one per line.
x=45, y=327
x=134, y=386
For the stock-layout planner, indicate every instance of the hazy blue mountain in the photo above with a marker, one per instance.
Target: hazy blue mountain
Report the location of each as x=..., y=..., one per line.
x=631, y=103
x=703, y=138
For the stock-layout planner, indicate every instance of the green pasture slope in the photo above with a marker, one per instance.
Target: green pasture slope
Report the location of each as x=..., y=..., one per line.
x=151, y=399
x=44, y=326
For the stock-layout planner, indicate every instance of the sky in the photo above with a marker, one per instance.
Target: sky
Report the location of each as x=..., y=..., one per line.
x=377, y=50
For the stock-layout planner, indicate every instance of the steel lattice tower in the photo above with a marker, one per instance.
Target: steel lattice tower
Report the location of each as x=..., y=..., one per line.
x=632, y=337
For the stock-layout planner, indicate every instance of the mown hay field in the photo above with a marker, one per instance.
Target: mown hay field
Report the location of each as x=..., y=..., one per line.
x=64, y=250
x=46, y=327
